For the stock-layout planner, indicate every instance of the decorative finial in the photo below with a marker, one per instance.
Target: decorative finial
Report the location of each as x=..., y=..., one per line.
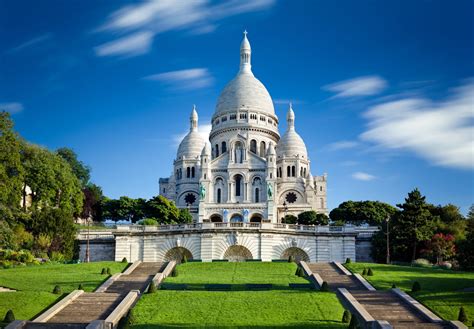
x=245, y=53
x=245, y=33
x=194, y=107
x=291, y=105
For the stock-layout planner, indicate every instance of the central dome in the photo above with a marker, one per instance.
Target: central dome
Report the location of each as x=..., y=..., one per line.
x=244, y=92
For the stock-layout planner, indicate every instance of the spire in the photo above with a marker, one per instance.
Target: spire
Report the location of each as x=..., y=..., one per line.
x=290, y=118
x=245, y=54
x=193, y=119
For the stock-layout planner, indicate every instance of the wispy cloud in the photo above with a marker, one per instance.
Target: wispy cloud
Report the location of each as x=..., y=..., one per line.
x=363, y=176
x=204, y=131
x=442, y=132
x=360, y=86
x=30, y=43
x=132, y=45
x=188, y=79
x=11, y=108
x=287, y=101
x=155, y=17
x=343, y=145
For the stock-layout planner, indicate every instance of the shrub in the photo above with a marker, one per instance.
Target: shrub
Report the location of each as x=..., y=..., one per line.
x=109, y=272
x=324, y=287
x=174, y=272
x=299, y=272
x=416, y=286
x=289, y=219
x=370, y=272
x=364, y=272
x=104, y=271
x=462, y=316
x=291, y=259
x=353, y=324
x=148, y=221
x=57, y=290
x=421, y=262
x=346, y=316
x=124, y=260
x=56, y=256
x=184, y=259
x=9, y=317
x=80, y=287
x=446, y=265
x=393, y=286
x=348, y=260
x=152, y=288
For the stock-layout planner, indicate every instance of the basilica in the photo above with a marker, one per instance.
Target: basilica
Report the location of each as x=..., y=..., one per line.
x=247, y=171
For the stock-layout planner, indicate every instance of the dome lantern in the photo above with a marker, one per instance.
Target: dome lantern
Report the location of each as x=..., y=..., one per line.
x=245, y=55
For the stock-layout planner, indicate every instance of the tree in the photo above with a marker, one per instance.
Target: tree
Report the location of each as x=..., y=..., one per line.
x=451, y=221
x=164, y=210
x=466, y=247
x=413, y=224
x=441, y=247
x=80, y=170
x=93, y=197
x=289, y=219
x=185, y=216
x=11, y=170
x=312, y=218
x=362, y=212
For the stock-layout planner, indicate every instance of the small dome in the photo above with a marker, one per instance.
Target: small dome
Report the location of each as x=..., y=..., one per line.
x=291, y=144
x=271, y=149
x=192, y=144
x=206, y=150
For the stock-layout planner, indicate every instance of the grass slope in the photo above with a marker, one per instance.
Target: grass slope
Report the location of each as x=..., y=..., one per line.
x=276, y=308
x=441, y=290
x=35, y=285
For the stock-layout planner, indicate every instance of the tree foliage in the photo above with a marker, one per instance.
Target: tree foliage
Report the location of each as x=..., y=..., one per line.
x=80, y=170
x=312, y=218
x=362, y=212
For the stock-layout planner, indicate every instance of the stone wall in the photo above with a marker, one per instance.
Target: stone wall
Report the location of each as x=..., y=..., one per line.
x=100, y=250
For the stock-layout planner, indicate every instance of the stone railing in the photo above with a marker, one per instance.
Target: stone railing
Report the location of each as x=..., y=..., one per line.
x=360, y=231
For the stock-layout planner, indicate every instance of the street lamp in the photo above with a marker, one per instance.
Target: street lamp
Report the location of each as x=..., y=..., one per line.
x=387, y=220
x=286, y=208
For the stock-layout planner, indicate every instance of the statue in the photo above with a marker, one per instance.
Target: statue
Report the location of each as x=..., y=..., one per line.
x=270, y=191
x=202, y=191
x=246, y=213
x=225, y=213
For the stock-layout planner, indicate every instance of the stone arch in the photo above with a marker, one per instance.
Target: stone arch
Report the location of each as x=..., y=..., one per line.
x=237, y=253
x=256, y=218
x=177, y=254
x=300, y=196
x=297, y=253
x=216, y=218
x=184, y=198
x=237, y=218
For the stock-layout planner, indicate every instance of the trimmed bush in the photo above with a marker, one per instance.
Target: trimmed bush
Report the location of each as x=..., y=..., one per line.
x=184, y=259
x=109, y=272
x=393, y=286
x=104, y=271
x=416, y=286
x=421, y=262
x=57, y=290
x=9, y=317
x=462, y=316
x=124, y=260
x=299, y=272
x=348, y=260
x=324, y=287
x=370, y=272
x=291, y=259
x=174, y=272
x=346, y=316
x=353, y=324
x=80, y=287
x=364, y=272
x=151, y=288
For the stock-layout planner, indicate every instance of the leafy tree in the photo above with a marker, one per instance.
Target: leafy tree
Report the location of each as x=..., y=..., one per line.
x=92, y=207
x=362, y=212
x=11, y=170
x=289, y=219
x=412, y=225
x=7, y=240
x=466, y=247
x=451, y=221
x=164, y=210
x=80, y=170
x=312, y=218
x=185, y=216
x=441, y=247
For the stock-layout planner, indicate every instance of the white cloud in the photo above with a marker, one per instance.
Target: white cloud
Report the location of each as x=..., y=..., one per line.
x=442, y=132
x=131, y=45
x=188, y=79
x=31, y=42
x=286, y=101
x=155, y=17
x=360, y=86
x=204, y=131
x=12, y=108
x=343, y=145
x=363, y=176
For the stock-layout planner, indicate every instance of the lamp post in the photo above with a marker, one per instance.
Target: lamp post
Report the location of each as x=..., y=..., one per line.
x=286, y=208
x=88, y=237
x=387, y=220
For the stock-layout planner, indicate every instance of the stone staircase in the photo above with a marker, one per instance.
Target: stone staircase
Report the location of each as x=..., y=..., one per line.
x=381, y=305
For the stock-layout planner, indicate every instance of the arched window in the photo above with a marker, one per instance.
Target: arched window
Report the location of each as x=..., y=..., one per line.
x=217, y=150
x=262, y=149
x=322, y=202
x=193, y=172
x=219, y=195
x=238, y=183
x=301, y=171
x=304, y=172
x=293, y=171
x=239, y=153
x=257, y=195
x=253, y=146
x=188, y=172
x=288, y=171
x=179, y=173
x=224, y=147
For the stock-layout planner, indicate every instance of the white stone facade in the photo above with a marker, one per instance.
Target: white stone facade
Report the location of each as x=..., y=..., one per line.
x=247, y=173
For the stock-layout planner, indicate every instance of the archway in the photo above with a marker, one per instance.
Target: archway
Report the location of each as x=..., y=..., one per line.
x=177, y=254
x=237, y=254
x=297, y=253
x=256, y=218
x=216, y=218
x=236, y=218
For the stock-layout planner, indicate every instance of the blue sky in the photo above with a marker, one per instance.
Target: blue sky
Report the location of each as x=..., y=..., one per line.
x=383, y=91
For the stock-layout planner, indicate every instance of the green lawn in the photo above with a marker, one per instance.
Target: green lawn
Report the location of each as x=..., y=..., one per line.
x=35, y=285
x=440, y=289
x=280, y=307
